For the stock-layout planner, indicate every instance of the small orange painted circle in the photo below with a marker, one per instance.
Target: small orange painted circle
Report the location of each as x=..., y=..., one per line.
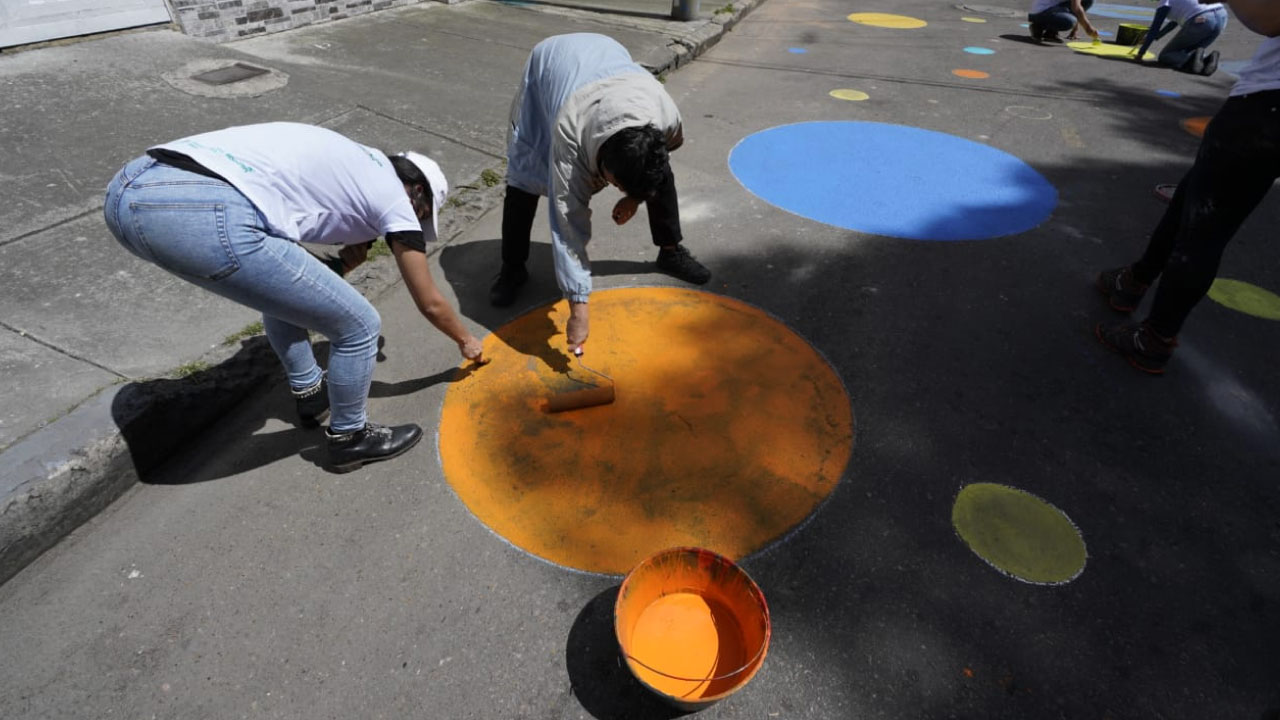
x=727, y=431
x=971, y=74
x=1196, y=125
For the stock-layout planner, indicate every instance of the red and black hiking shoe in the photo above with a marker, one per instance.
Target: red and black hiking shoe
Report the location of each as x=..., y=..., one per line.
x=1122, y=290
x=1139, y=344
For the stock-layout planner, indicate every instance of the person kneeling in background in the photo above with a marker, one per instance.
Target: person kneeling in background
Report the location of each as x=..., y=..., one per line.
x=1201, y=25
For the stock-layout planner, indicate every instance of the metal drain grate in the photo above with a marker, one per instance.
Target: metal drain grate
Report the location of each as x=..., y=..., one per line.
x=230, y=74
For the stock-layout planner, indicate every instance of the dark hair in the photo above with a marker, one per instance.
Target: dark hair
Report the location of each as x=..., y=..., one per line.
x=637, y=159
x=410, y=175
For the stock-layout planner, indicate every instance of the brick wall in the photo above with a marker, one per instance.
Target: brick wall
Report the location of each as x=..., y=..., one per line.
x=223, y=20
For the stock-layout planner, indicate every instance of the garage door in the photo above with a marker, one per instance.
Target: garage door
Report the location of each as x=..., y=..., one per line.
x=28, y=21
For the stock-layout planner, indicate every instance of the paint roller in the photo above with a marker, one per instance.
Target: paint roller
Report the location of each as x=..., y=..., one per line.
x=589, y=396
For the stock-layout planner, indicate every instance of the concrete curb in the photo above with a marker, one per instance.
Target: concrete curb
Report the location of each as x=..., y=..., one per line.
x=54, y=480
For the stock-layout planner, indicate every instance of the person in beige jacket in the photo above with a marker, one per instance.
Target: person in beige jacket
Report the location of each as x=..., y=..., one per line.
x=587, y=116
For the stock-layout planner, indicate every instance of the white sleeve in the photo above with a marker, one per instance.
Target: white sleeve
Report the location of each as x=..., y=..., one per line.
x=570, y=213
x=388, y=198
x=400, y=217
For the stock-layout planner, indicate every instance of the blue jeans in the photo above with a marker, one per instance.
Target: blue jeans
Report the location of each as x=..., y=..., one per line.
x=1058, y=18
x=205, y=232
x=1193, y=35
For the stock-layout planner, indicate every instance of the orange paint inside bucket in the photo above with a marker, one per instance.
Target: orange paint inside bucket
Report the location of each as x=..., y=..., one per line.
x=693, y=627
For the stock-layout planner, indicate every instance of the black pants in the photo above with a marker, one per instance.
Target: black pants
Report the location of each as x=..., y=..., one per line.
x=519, y=207
x=1238, y=161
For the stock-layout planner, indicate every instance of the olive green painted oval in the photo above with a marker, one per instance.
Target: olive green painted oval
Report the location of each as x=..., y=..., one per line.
x=1248, y=299
x=1019, y=534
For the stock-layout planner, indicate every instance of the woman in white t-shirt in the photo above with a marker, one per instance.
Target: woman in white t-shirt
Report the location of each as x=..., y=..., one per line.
x=227, y=210
x=1238, y=161
x=1201, y=24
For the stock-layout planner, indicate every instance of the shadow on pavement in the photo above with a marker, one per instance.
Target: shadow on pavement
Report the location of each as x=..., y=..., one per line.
x=159, y=418
x=599, y=676
x=463, y=264
x=1140, y=114
x=1027, y=40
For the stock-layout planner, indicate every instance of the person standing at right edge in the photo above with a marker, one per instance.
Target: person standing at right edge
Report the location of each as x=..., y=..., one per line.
x=587, y=116
x=1238, y=160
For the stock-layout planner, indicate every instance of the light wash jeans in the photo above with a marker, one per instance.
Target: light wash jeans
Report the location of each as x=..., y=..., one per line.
x=1193, y=35
x=205, y=232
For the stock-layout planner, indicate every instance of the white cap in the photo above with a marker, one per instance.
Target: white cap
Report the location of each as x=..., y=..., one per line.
x=439, y=189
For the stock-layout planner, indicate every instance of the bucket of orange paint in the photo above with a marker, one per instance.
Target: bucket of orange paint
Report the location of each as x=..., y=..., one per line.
x=693, y=626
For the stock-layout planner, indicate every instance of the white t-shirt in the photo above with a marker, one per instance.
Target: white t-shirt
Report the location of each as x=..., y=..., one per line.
x=310, y=184
x=1263, y=72
x=1180, y=11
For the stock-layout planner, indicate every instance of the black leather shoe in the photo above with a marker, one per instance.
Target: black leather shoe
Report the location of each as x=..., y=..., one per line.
x=507, y=285
x=313, y=404
x=348, y=451
x=680, y=263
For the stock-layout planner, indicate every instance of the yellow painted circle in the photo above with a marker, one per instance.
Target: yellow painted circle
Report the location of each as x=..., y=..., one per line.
x=886, y=20
x=727, y=431
x=847, y=94
x=1246, y=298
x=1018, y=533
x=1088, y=47
x=973, y=20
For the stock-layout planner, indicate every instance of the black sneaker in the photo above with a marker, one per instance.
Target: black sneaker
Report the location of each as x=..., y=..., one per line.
x=1051, y=36
x=313, y=404
x=1210, y=63
x=1122, y=290
x=678, y=262
x=1037, y=31
x=1139, y=344
x=348, y=451
x=507, y=285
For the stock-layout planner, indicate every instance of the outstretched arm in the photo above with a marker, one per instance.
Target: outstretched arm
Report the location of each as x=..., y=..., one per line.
x=1078, y=10
x=422, y=288
x=570, y=231
x=1155, y=32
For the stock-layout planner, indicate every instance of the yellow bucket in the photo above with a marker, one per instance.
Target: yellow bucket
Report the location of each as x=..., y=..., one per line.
x=693, y=626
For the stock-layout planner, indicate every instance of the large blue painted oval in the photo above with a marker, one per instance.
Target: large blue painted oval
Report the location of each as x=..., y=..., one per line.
x=893, y=180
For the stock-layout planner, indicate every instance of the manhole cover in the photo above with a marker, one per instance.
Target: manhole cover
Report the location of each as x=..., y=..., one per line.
x=230, y=74
x=224, y=78
x=995, y=10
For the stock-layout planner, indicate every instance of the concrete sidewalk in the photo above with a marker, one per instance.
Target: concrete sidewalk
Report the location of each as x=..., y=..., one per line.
x=109, y=363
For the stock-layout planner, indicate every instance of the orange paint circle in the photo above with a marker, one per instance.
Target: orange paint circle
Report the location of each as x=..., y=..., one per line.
x=727, y=431
x=972, y=74
x=1196, y=125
